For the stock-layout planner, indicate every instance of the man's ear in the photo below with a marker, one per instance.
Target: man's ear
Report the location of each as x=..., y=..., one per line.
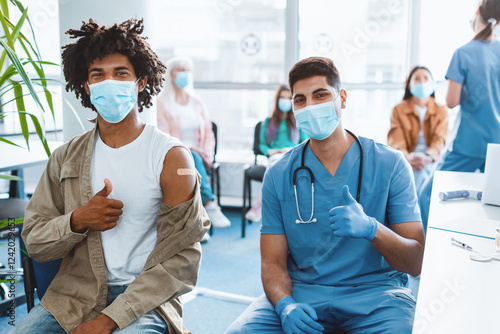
x=86, y=87
x=142, y=83
x=343, y=97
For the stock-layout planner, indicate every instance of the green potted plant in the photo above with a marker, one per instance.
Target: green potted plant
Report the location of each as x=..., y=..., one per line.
x=19, y=55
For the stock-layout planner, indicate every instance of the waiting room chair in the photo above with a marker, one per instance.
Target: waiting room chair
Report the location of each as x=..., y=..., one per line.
x=253, y=173
x=213, y=172
x=37, y=277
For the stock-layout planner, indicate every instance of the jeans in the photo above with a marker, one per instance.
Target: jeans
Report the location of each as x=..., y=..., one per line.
x=39, y=320
x=207, y=193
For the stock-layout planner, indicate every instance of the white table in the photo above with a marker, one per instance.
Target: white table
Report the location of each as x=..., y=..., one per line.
x=16, y=158
x=456, y=294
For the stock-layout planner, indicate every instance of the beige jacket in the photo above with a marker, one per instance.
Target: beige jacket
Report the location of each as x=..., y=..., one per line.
x=405, y=126
x=78, y=292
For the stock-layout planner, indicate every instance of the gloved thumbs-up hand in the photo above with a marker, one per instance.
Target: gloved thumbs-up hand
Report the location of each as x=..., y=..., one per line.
x=350, y=220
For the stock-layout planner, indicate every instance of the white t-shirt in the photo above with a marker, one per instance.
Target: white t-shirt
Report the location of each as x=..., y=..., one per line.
x=190, y=123
x=421, y=144
x=134, y=171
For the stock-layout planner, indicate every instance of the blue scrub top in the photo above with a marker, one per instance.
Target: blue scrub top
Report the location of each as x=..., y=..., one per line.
x=316, y=256
x=476, y=66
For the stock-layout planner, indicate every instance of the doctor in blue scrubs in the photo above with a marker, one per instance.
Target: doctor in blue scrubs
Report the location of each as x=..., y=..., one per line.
x=329, y=262
x=474, y=83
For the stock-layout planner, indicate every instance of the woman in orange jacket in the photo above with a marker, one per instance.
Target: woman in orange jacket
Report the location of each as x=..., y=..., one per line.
x=419, y=125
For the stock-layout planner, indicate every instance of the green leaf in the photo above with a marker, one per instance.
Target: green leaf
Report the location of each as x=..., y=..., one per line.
x=17, y=29
x=5, y=8
x=41, y=134
x=5, y=27
x=48, y=96
x=9, y=142
x=20, y=69
x=10, y=177
x=5, y=222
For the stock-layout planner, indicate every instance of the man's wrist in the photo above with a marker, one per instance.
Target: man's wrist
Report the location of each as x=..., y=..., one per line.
x=282, y=303
x=74, y=223
x=373, y=228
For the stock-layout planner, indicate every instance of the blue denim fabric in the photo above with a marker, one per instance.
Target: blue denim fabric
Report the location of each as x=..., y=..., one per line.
x=207, y=193
x=39, y=320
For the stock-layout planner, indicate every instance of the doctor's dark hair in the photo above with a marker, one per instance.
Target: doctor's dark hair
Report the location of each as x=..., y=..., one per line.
x=313, y=66
x=408, y=95
x=96, y=42
x=489, y=9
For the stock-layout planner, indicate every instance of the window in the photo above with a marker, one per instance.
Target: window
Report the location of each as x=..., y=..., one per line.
x=238, y=49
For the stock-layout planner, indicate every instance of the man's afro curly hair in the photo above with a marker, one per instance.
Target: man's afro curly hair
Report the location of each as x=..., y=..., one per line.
x=96, y=41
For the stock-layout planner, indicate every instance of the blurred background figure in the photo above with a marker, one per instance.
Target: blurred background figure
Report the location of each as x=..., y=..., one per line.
x=419, y=125
x=278, y=134
x=474, y=84
x=182, y=114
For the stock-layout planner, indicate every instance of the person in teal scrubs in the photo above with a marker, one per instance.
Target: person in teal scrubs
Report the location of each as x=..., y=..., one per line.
x=328, y=262
x=474, y=83
x=278, y=134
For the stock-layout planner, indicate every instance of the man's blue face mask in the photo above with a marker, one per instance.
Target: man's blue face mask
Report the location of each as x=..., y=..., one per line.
x=113, y=99
x=183, y=79
x=318, y=121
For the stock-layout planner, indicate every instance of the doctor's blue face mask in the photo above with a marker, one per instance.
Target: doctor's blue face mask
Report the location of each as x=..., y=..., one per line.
x=113, y=99
x=183, y=79
x=318, y=121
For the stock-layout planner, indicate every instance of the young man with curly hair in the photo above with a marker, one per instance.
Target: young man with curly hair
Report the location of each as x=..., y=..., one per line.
x=119, y=204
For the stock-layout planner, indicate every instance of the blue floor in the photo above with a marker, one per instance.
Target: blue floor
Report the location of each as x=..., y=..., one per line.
x=230, y=264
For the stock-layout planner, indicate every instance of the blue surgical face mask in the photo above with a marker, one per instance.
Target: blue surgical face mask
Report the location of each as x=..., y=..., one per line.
x=284, y=105
x=318, y=121
x=422, y=90
x=183, y=79
x=113, y=99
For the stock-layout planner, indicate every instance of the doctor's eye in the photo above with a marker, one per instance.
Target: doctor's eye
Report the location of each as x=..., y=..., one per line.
x=299, y=100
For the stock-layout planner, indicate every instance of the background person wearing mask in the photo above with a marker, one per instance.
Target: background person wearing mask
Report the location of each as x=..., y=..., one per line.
x=419, y=125
x=474, y=83
x=278, y=135
x=182, y=114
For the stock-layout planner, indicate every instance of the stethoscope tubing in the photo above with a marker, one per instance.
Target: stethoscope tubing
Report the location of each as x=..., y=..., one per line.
x=311, y=177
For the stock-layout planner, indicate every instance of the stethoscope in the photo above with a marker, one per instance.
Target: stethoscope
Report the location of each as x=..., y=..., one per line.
x=311, y=178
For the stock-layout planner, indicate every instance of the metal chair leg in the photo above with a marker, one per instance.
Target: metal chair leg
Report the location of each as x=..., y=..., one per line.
x=244, y=207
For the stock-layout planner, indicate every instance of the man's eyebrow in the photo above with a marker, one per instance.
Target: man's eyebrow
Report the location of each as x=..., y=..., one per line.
x=95, y=69
x=296, y=95
x=120, y=68
x=320, y=90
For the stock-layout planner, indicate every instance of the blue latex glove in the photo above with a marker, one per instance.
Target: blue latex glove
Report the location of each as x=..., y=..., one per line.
x=350, y=220
x=297, y=318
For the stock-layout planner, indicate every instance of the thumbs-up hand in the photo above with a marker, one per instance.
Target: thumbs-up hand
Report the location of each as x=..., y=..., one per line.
x=99, y=214
x=349, y=220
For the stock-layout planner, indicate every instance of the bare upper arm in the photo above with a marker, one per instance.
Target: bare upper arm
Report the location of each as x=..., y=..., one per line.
x=453, y=95
x=410, y=230
x=274, y=249
x=178, y=177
